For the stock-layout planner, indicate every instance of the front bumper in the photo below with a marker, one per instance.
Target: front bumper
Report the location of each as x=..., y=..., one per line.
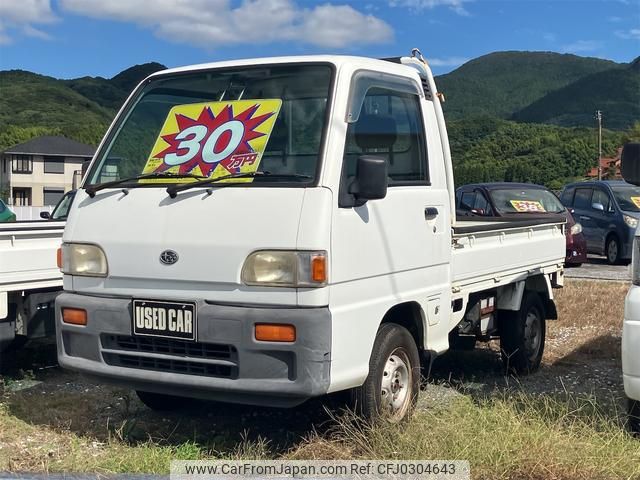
x=631, y=344
x=226, y=363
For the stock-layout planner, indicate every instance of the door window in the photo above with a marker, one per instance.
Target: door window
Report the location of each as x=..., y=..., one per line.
x=567, y=197
x=602, y=198
x=582, y=200
x=390, y=125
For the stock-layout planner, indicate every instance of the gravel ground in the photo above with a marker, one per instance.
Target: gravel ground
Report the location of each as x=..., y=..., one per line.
x=576, y=362
x=597, y=268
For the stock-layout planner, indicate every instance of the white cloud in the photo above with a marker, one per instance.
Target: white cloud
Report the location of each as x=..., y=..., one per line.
x=447, y=61
x=550, y=37
x=455, y=5
x=581, y=46
x=21, y=15
x=633, y=34
x=614, y=19
x=214, y=23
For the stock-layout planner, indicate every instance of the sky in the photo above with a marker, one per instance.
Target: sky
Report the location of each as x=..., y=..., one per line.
x=75, y=38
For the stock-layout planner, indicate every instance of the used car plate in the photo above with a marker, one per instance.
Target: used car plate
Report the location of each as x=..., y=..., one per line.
x=164, y=319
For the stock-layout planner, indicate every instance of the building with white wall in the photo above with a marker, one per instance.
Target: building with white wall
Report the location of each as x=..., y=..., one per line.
x=38, y=172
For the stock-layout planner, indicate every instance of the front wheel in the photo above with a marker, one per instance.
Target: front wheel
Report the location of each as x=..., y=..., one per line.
x=613, y=250
x=522, y=335
x=391, y=389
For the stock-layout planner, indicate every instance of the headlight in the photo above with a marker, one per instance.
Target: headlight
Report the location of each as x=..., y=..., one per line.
x=282, y=268
x=576, y=228
x=84, y=260
x=630, y=221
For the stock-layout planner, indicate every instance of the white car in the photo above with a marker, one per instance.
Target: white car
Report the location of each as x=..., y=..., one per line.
x=631, y=325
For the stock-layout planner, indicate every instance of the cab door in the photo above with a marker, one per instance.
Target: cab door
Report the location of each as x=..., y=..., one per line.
x=396, y=249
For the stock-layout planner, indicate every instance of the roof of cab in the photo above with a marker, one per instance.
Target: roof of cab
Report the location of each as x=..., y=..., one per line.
x=337, y=60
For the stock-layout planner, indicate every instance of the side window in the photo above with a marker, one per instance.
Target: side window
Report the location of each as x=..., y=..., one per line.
x=582, y=199
x=601, y=197
x=567, y=197
x=389, y=125
x=467, y=201
x=482, y=204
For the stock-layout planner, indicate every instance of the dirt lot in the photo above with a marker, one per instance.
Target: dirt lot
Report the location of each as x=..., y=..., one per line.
x=565, y=421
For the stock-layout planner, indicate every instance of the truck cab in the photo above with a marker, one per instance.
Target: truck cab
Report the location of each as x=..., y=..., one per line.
x=266, y=231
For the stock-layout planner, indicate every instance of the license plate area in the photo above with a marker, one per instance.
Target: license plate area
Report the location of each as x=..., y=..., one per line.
x=164, y=319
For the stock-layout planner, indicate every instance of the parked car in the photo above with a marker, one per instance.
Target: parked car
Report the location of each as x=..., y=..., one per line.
x=61, y=210
x=512, y=200
x=608, y=211
x=6, y=214
x=631, y=323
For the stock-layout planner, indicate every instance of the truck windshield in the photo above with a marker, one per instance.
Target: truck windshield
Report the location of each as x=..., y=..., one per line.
x=525, y=200
x=628, y=198
x=226, y=122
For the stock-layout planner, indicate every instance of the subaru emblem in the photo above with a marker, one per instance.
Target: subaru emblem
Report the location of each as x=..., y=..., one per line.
x=168, y=257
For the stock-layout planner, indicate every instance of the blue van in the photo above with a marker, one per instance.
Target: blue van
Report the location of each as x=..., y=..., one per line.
x=608, y=211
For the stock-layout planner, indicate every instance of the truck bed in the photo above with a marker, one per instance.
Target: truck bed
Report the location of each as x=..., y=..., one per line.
x=494, y=252
x=28, y=255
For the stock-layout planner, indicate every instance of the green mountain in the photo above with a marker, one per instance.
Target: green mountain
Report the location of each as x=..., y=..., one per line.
x=32, y=104
x=615, y=92
x=503, y=83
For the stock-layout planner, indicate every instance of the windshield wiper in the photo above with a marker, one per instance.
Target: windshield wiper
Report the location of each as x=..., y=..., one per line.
x=92, y=189
x=173, y=190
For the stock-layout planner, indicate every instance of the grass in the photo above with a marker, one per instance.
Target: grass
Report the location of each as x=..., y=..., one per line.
x=510, y=433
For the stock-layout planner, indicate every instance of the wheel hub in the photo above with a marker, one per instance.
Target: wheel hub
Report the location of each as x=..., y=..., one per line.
x=396, y=382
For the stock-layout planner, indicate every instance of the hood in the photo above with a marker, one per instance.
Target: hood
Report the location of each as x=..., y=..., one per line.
x=212, y=235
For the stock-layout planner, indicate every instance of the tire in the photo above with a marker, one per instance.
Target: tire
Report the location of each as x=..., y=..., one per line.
x=163, y=403
x=391, y=389
x=522, y=335
x=612, y=250
x=634, y=416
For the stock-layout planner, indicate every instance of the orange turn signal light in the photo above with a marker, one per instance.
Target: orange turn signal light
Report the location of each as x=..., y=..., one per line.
x=74, y=316
x=319, y=268
x=59, y=258
x=275, y=332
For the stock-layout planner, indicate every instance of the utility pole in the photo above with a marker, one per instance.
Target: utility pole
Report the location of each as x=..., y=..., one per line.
x=598, y=117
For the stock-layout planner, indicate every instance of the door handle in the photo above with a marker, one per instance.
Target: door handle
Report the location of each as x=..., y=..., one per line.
x=430, y=213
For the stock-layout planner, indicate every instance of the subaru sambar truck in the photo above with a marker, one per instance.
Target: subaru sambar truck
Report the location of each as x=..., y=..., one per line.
x=266, y=231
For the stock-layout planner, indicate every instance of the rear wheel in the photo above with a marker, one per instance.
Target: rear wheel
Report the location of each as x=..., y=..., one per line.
x=612, y=250
x=163, y=403
x=392, y=386
x=522, y=335
x=634, y=416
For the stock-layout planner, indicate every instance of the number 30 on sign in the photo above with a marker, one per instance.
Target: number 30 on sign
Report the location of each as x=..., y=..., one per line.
x=214, y=138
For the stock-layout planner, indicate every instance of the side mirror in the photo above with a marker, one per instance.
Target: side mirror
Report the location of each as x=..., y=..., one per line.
x=598, y=206
x=630, y=163
x=370, y=182
x=45, y=215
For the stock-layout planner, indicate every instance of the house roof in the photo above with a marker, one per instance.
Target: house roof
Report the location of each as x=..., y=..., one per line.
x=51, y=145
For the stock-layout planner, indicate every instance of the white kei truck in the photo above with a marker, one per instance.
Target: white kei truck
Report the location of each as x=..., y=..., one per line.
x=630, y=161
x=266, y=231
x=29, y=281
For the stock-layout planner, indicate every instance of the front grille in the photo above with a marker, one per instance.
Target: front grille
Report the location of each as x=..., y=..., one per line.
x=173, y=366
x=168, y=346
x=150, y=353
